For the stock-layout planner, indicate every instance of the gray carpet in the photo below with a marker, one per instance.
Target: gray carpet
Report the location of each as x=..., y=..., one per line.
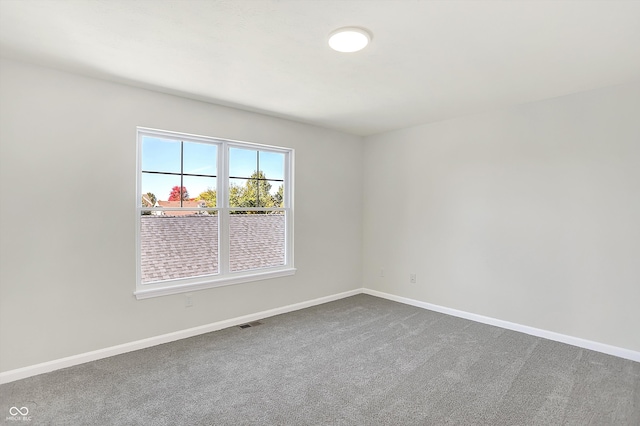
x=356, y=361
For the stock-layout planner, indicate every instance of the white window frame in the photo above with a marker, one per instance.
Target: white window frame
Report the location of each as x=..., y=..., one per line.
x=224, y=276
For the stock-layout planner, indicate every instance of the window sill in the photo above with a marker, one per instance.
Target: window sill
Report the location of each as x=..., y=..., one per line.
x=146, y=293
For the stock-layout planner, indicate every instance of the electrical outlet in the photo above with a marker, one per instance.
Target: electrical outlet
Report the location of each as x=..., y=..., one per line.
x=188, y=300
x=412, y=278
x=382, y=272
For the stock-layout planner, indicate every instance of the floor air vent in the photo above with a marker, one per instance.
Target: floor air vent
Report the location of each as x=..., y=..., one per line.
x=250, y=324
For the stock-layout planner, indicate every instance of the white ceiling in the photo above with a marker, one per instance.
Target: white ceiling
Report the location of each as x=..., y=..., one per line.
x=428, y=60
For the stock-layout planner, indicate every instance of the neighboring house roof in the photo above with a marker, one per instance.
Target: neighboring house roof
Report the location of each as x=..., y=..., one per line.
x=186, y=246
x=256, y=241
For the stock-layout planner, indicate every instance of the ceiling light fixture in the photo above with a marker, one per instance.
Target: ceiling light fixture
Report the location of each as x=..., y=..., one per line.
x=349, y=39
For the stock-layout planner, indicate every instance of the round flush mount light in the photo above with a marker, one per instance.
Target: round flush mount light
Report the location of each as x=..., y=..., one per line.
x=349, y=39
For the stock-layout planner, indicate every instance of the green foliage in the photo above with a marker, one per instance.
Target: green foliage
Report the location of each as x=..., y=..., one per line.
x=255, y=193
x=209, y=197
x=151, y=197
x=278, y=198
x=148, y=200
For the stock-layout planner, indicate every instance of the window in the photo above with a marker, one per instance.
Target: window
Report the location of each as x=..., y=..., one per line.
x=211, y=212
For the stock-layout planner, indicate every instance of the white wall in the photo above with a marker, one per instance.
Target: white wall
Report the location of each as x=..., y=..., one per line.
x=529, y=215
x=67, y=220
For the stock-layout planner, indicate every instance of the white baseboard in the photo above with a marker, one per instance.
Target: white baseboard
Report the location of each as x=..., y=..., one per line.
x=46, y=367
x=570, y=340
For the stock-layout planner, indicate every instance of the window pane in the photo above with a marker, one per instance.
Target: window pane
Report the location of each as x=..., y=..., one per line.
x=160, y=186
x=200, y=158
x=256, y=240
x=242, y=162
x=179, y=246
x=160, y=155
x=272, y=165
x=201, y=188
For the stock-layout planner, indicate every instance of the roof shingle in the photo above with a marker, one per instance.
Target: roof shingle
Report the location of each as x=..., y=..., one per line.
x=187, y=246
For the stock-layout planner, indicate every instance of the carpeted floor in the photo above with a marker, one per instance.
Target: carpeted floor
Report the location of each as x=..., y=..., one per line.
x=356, y=361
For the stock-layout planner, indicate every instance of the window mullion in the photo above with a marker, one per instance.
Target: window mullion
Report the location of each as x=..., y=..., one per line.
x=181, y=171
x=288, y=205
x=258, y=179
x=223, y=203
